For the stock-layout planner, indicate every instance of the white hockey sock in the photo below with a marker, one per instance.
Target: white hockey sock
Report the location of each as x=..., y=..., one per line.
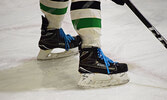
x=54, y=11
x=86, y=19
x=90, y=37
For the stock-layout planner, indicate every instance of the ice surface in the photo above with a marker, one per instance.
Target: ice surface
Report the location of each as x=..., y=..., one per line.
x=124, y=39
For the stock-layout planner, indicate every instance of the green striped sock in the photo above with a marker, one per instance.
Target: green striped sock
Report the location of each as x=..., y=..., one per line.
x=54, y=11
x=86, y=23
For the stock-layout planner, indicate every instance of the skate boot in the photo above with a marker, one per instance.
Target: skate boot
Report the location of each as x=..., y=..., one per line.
x=97, y=70
x=56, y=38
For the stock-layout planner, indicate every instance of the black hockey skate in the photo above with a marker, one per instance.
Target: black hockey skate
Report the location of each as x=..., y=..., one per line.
x=97, y=70
x=56, y=38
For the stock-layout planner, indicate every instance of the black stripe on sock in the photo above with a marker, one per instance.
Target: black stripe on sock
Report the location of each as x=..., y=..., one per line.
x=85, y=5
x=59, y=0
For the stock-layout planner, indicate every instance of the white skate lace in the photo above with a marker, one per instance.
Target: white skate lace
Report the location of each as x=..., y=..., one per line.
x=106, y=60
x=67, y=38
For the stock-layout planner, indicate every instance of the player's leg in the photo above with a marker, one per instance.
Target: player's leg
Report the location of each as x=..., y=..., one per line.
x=86, y=19
x=52, y=35
x=96, y=69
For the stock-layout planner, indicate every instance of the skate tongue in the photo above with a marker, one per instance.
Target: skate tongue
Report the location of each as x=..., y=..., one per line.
x=67, y=38
x=106, y=60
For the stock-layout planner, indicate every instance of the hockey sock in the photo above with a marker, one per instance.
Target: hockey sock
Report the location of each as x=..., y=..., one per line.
x=54, y=11
x=86, y=19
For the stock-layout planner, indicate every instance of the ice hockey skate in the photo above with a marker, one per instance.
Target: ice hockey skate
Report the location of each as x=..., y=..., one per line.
x=97, y=70
x=56, y=38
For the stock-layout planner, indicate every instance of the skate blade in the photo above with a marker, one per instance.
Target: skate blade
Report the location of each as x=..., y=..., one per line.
x=48, y=55
x=96, y=80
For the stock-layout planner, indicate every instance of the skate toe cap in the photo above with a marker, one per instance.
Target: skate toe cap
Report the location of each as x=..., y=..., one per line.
x=122, y=67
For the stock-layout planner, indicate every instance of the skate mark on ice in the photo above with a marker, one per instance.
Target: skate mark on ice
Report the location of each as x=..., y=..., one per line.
x=150, y=73
x=58, y=74
x=19, y=27
x=146, y=85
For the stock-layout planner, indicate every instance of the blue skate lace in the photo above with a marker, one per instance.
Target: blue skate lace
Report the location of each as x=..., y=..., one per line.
x=106, y=60
x=67, y=38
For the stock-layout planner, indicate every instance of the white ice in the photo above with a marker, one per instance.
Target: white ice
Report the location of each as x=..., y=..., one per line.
x=124, y=39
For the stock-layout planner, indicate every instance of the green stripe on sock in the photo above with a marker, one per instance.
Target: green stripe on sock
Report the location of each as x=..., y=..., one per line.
x=86, y=23
x=55, y=11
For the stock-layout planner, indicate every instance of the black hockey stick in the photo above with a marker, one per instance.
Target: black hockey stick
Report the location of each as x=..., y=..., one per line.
x=146, y=23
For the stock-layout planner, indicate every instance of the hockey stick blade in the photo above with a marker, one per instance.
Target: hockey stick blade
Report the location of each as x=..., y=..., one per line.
x=146, y=23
